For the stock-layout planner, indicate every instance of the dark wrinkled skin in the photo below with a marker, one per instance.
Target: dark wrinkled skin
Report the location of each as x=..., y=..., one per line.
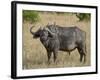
x=64, y=39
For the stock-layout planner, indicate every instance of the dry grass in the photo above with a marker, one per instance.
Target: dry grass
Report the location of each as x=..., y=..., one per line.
x=34, y=53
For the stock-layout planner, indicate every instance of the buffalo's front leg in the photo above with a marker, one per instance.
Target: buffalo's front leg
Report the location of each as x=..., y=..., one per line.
x=49, y=55
x=55, y=56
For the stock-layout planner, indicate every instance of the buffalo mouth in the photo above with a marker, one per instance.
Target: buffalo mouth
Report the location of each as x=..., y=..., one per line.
x=35, y=37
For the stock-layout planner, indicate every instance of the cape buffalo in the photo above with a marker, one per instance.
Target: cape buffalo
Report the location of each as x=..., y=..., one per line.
x=55, y=38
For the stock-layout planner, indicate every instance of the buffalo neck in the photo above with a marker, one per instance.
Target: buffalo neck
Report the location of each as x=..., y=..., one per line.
x=44, y=42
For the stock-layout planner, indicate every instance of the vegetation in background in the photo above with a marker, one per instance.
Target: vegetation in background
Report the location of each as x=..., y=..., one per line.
x=83, y=16
x=31, y=16
x=80, y=16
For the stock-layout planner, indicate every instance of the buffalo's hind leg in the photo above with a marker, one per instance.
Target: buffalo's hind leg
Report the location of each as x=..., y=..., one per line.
x=84, y=51
x=82, y=54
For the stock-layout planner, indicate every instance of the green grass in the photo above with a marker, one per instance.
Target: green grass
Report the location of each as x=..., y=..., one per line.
x=83, y=16
x=31, y=16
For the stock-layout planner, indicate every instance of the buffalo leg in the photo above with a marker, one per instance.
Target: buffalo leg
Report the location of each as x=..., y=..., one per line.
x=82, y=53
x=49, y=55
x=55, y=56
x=85, y=51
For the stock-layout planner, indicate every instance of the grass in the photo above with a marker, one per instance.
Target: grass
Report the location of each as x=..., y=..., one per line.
x=31, y=16
x=34, y=53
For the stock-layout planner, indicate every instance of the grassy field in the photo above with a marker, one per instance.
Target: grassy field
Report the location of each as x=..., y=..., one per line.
x=34, y=53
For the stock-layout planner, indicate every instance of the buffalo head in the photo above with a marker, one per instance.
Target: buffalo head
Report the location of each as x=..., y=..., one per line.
x=42, y=33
